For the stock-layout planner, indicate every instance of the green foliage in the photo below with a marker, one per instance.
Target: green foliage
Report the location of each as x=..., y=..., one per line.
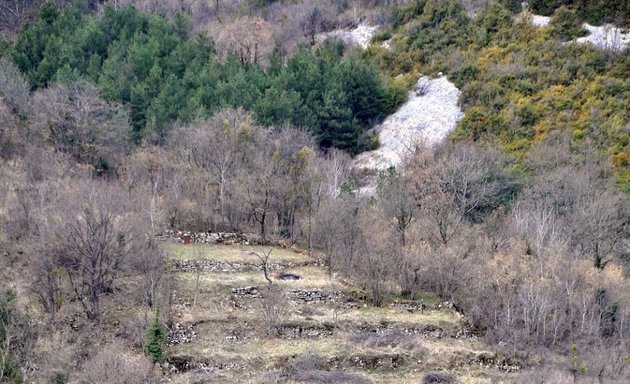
x=155, y=341
x=7, y=314
x=403, y=15
x=59, y=378
x=494, y=23
x=519, y=83
x=6, y=46
x=370, y=142
x=8, y=322
x=565, y=24
x=348, y=187
x=514, y=6
x=594, y=11
x=163, y=75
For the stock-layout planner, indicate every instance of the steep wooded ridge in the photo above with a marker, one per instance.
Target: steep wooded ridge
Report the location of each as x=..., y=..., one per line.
x=495, y=249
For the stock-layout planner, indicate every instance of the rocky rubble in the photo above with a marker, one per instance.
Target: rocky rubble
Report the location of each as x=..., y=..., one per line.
x=492, y=360
x=180, y=334
x=429, y=115
x=228, y=238
x=607, y=36
x=177, y=364
x=426, y=331
x=247, y=292
x=298, y=331
x=410, y=306
x=360, y=36
x=369, y=361
x=301, y=296
x=205, y=265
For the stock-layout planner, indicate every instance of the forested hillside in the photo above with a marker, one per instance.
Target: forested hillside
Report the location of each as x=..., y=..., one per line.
x=163, y=74
x=499, y=253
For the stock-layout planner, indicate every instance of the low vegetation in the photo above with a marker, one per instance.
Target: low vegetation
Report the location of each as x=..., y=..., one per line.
x=499, y=255
x=522, y=86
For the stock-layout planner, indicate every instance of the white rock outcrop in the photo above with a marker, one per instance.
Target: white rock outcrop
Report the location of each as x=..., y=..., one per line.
x=605, y=36
x=429, y=115
x=361, y=35
x=540, y=21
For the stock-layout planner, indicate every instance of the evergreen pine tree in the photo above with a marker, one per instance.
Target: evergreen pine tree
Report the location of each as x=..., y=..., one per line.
x=155, y=340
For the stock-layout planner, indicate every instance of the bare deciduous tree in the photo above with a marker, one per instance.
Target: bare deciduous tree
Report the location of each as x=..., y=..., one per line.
x=455, y=183
x=312, y=24
x=248, y=38
x=264, y=263
x=92, y=245
x=13, y=86
x=599, y=223
x=78, y=121
x=114, y=364
x=14, y=13
x=216, y=146
x=149, y=261
x=396, y=201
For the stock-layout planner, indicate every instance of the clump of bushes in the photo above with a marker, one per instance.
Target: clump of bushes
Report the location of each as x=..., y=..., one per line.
x=393, y=339
x=565, y=25
x=439, y=377
x=312, y=367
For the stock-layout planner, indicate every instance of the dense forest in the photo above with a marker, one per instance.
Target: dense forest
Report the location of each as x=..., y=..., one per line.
x=122, y=122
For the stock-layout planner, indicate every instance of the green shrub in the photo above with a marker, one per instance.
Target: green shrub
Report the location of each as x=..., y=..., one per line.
x=565, y=24
x=383, y=35
x=155, y=341
x=59, y=378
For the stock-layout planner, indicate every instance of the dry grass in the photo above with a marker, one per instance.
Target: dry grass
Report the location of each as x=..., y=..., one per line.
x=235, y=335
x=374, y=315
x=264, y=355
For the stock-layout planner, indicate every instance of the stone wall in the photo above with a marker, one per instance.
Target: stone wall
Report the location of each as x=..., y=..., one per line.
x=229, y=238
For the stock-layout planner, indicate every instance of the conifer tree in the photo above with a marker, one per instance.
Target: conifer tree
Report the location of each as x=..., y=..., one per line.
x=155, y=340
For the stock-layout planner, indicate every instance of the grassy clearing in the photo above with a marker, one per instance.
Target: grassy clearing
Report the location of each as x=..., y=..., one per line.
x=260, y=354
x=372, y=315
x=229, y=334
x=310, y=278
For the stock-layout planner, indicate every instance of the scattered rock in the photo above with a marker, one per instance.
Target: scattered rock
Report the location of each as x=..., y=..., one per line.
x=426, y=331
x=607, y=36
x=249, y=292
x=540, y=21
x=237, y=334
x=181, y=363
x=181, y=334
x=229, y=238
x=492, y=360
x=298, y=331
x=301, y=296
x=206, y=265
x=360, y=36
x=429, y=115
x=369, y=361
x=444, y=305
x=410, y=306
